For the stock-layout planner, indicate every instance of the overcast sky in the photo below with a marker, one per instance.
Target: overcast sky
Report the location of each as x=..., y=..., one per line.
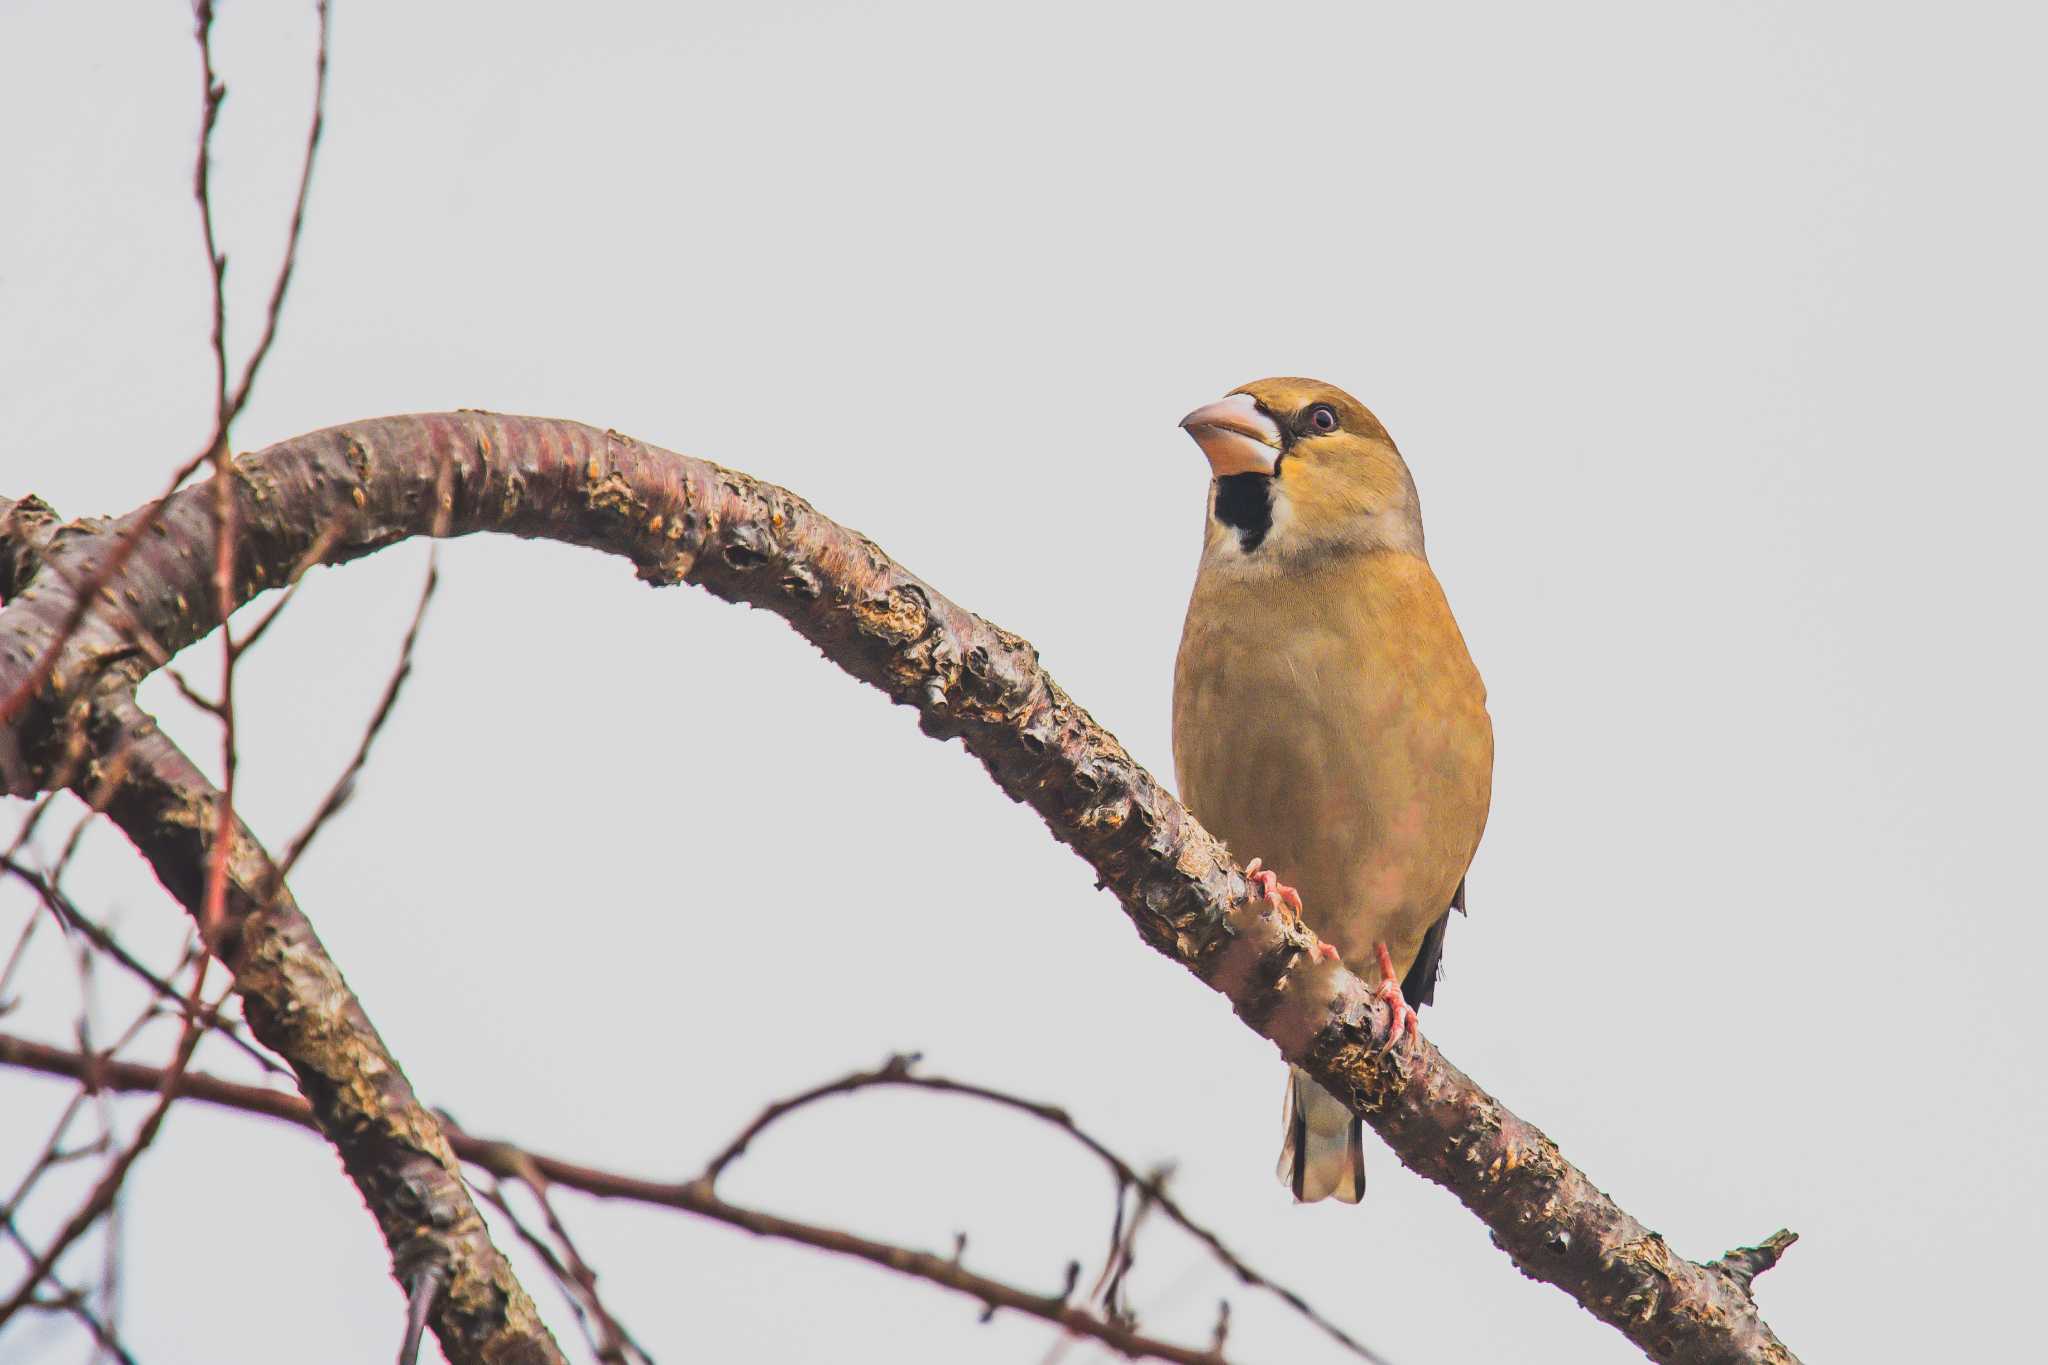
x=1714, y=339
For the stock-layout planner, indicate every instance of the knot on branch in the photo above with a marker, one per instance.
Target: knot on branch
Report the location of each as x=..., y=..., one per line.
x=26, y=527
x=1744, y=1264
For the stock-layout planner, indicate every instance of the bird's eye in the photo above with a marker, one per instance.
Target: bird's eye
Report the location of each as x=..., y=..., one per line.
x=1322, y=417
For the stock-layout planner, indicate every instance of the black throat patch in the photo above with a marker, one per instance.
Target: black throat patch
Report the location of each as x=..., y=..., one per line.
x=1244, y=503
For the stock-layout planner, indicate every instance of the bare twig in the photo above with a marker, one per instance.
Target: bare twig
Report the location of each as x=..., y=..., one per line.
x=102, y=939
x=15, y=957
x=1124, y=1255
x=72, y=1302
x=608, y=1339
x=54, y=1153
x=477, y=1307
x=899, y=1071
x=510, y=1162
x=27, y=531
x=103, y=1193
x=344, y=786
x=239, y=399
x=212, y=94
x=105, y=781
x=323, y=545
x=196, y=1021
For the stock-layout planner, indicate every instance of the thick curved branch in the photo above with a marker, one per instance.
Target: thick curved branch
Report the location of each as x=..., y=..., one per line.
x=680, y=519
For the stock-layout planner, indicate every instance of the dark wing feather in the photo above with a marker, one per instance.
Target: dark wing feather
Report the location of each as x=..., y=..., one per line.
x=1419, y=988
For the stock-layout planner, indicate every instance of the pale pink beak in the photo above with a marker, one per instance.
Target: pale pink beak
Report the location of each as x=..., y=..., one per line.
x=1235, y=435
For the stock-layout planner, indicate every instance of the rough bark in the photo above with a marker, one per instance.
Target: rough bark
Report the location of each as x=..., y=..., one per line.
x=685, y=520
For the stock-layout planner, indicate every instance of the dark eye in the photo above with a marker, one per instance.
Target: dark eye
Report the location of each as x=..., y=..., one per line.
x=1322, y=417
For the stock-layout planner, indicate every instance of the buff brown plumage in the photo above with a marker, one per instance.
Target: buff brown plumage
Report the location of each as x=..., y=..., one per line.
x=1327, y=718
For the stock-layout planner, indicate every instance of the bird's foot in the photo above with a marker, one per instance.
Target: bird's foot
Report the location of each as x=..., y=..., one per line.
x=1405, y=1019
x=1283, y=898
x=1277, y=893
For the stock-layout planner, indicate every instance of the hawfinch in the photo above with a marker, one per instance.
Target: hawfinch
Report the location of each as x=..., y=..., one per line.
x=1327, y=720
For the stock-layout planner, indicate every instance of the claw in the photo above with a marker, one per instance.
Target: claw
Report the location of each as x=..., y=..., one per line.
x=1284, y=898
x=1405, y=1019
x=1276, y=892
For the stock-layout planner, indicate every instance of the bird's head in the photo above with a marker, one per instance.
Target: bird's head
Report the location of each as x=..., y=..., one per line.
x=1302, y=469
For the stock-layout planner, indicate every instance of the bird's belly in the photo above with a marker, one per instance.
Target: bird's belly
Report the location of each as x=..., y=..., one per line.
x=1366, y=793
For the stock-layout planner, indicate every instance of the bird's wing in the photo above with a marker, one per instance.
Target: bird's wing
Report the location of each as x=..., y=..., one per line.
x=1420, y=986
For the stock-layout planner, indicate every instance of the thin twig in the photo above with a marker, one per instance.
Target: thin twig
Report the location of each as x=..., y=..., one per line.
x=102, y=1197
x=329, y=536
x=224, y=519
x=227, y=405
x=110, y=776
x=17, y=956
x=510, y=1162
x=898, y=1071
x=609, y=1341
x=116, y=1174
x=239, y=399
x=73, y=1302
x=54, y=1153
x=212, y=93
x=67, y=910
x=1125, y=1255
x=344, y=786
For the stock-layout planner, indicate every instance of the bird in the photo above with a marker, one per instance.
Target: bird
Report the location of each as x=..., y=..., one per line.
x=1327, y=715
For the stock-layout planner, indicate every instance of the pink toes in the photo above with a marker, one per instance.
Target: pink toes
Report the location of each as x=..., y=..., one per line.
x=1276, y=892
x=1404, y=1020
x=1284, y=898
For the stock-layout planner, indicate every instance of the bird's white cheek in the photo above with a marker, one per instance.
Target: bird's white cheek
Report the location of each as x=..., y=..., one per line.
x=1283, y=514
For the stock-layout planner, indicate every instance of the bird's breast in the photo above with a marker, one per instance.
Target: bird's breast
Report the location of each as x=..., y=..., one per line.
x=1332, y=723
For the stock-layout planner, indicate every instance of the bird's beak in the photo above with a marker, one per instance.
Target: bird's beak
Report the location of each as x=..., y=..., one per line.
x=1235, y=435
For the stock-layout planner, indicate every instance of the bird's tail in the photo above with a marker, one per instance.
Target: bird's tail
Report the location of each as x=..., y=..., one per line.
x=1322, y=1150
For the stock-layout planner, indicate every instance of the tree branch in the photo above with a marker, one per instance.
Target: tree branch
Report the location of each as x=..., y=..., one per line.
x=680, y=519
x=510, y=1162
x=298, y=1005
x=898, y=1071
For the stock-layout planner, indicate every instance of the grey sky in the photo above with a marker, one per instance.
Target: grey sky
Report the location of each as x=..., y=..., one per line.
x=1712, y=334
